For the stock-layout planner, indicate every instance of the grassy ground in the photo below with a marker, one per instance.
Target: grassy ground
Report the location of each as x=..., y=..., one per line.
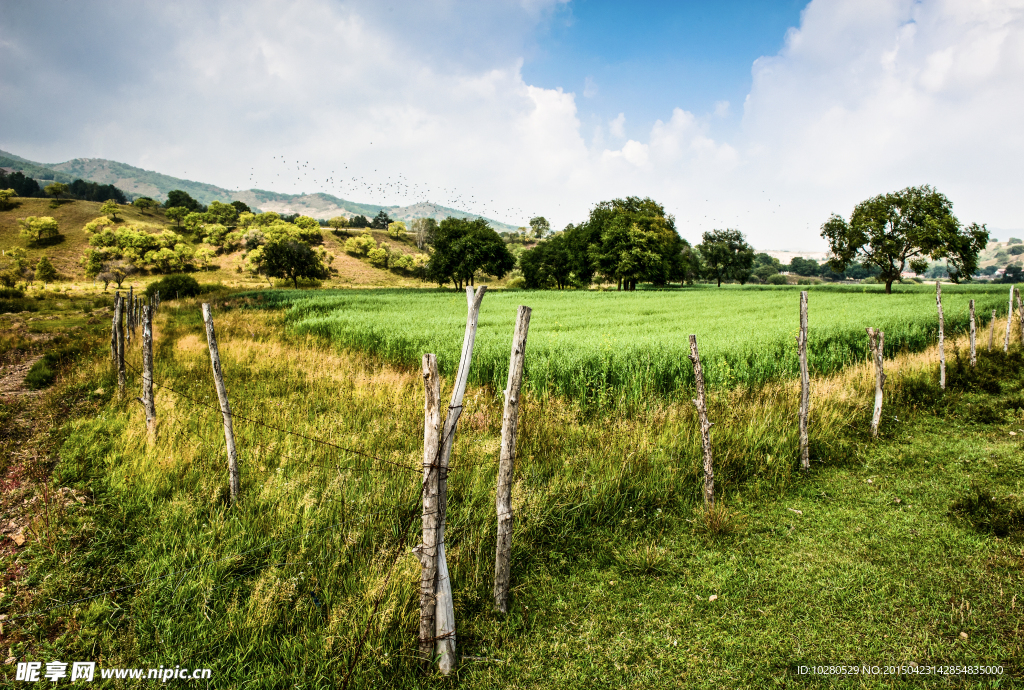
x=860, y=561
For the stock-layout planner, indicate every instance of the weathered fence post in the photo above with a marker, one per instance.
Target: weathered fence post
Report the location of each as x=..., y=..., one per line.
x=129, y=312
x=506, y=461
x=974, y=351
x=444, y=621
x=148, y=404
x=942, y=325
x=1009, y=320
x=877, y=343
x=805, y=385
x=705, y=425
x=992, y=331
x=113, y=331
x=122, y=375
x=1020, y=318
x=427, y=551
x=225, y=407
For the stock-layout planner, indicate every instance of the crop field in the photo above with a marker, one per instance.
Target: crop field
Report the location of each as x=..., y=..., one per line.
x=610, y=348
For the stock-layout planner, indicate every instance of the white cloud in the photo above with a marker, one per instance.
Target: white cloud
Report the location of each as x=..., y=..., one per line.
x=589, y=88
x=866, y=96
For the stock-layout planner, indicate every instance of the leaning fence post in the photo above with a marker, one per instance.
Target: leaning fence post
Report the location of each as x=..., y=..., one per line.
x=427, y=551
x=805, y=385
x=942, y=351
x=122, y=375
x=506, y=461
x=974, y=351
x=444, y=622
x=877, y=343
x=992, y=331
x=148, y=404
x=705, y=425
x=1009, y=320
x=225, y=407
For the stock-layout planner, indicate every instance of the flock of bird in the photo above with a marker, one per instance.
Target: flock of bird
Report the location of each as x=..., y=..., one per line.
x=388, y=190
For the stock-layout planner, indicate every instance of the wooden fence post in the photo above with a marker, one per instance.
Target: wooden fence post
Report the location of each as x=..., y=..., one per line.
x=122, y=375
x=705, y=425
x=992, y=331
x=113, y=331
x=129, y=311
x=877, y=344
x=805, y=385
x=444, y=621
x=942, y=325
x=427, y=551
x=148, y=404
x=1009, y=320
x=974, y=351
x=506, y=461
x=225, y=407
x=1020, y=318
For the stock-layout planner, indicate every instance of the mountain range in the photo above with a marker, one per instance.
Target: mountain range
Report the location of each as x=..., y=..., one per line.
x=138, y=182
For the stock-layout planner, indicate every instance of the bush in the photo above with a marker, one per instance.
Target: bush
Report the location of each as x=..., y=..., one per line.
x=173, y=286
x=11, y=293
x=777, y=279
x=868, y=281
x=517, y=283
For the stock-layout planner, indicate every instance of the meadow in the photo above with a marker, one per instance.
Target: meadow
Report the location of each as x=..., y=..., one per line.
x=601, y=349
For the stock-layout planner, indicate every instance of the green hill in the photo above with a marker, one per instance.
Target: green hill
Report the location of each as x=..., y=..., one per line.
x=138, y=182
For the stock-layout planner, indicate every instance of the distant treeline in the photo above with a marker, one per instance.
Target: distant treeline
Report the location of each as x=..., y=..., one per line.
x=79, y=189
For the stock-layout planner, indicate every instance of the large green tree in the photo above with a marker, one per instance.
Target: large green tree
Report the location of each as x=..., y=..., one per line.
x=45, y=271
x=178, y=197
x=889, y=230
x=463, y=248
x=726, y=255
x=283, y=254
x=39, y=230
x=56, y=190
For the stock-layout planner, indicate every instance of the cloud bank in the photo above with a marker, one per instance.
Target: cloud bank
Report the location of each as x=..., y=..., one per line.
x=409, y=101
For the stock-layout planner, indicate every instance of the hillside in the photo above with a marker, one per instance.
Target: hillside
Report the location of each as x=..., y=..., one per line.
x=71, y=217
x=138, y=182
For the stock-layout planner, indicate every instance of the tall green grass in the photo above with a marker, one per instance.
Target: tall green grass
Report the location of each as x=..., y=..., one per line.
x=608, y=348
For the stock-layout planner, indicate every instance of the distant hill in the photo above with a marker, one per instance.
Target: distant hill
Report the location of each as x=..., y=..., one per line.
x=139, y=182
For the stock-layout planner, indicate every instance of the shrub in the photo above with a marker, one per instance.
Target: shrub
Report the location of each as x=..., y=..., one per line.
x=378, y=257
x=868, y=281
x=172, y=286
x=360, y=245
x=777, y=279
x=517, y=283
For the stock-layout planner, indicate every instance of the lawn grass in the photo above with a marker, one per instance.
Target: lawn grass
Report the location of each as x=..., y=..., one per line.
x=612, y=572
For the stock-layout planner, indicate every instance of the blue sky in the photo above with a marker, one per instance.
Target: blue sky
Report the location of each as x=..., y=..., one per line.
x=646, y=58
x=516, y=108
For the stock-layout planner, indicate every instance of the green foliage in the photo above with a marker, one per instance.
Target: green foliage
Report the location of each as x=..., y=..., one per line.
x=241, y=207
x=540, y=227
x=360, y=245
x=598, y=348
x=5, y=199
x=359, y=222
x=378, y=257
x=56, y=190
x=1017, y=250
x=397, y=229
x=338, y=223
x=424, y=229
x=174, y=286
x=177, y=214
x=777, y=279
x=221, y=214
x=109, y=208
x=888, y=229
x=41, y=230
x=284, y=254
x=45, y=271
x=462, y=248
x=178, y=197
x=43, y=373
x=144, y=204
x=986, y=513
x=380, y=221
x=308, y=230
x=726, y=255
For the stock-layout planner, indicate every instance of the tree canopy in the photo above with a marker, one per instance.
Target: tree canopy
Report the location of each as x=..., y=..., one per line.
x=109, y=208
x=380, y=221
x=889, y=230
x=463, y=248
x=45, y=271
x=726, y=255
x=55, y=190
x=178, y=197
x=281, y=252
x=37, y=230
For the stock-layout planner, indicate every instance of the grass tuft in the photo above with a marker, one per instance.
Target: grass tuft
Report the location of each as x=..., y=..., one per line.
x=984, y=512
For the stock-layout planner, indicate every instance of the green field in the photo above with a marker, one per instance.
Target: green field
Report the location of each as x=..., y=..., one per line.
x=600, y=348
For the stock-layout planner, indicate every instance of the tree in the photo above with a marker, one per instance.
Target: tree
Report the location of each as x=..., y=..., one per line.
x=726, y=255
x=109, y=208
x=224, y=214
x=540, y=227
x=464, y=247
x=119, y=270
x=55, y=190
x=5, y=198
x=888, y=230
x=424, y=229
x=919, y=266
x=45, y=271
x=194, y=222
x=241, y=207
x=177, y=197
x=144, y=203
x=380, y=221
x=105, y=278
x=39, y=229
x=284, y=255
x=397, y=229
x=359, y=222
x=309, y=230
x=177, y=214
x=804, y=267
x=338, y=223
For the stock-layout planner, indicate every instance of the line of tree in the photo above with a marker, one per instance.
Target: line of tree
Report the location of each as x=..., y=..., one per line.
x=81, y=190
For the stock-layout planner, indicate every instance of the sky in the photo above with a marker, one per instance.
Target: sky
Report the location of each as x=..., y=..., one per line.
x=762, y=116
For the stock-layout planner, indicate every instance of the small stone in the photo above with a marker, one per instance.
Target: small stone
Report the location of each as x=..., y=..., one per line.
x=712, y=597
x=963, y=636
x=897, y=500
x=1013, y=433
